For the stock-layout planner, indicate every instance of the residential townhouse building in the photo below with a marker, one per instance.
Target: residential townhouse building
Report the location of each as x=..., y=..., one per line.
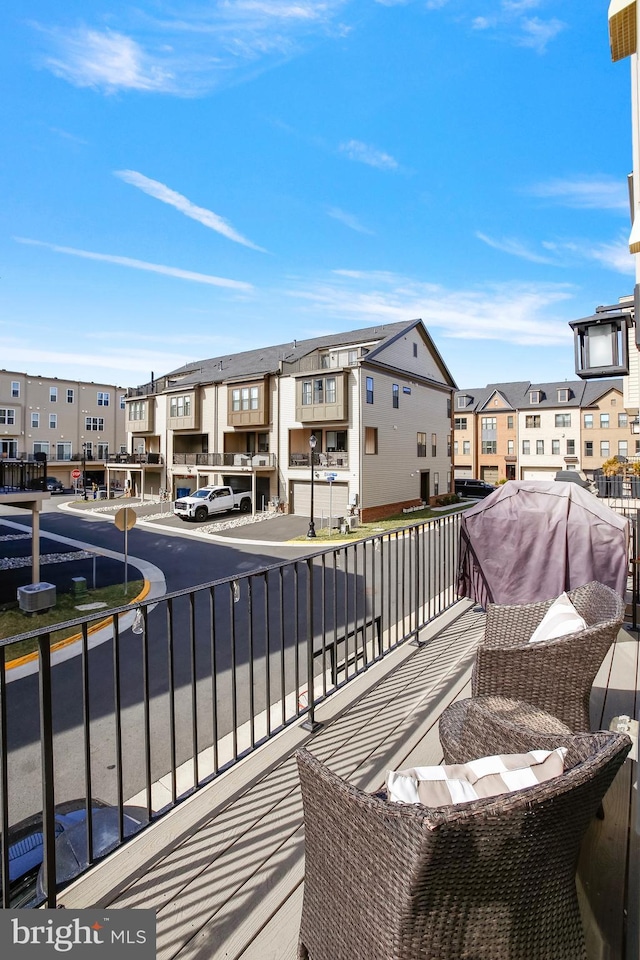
x=65, y=420
x=529, y=431
x=376, y=400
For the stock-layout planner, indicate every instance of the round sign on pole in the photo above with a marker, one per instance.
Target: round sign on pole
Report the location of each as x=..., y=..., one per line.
x=125, y=518
x=75, y=474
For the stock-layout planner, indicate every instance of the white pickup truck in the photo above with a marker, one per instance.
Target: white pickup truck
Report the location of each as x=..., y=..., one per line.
x=207, y=501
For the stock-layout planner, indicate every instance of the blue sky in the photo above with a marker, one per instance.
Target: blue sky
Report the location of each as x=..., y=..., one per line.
x=181, y=179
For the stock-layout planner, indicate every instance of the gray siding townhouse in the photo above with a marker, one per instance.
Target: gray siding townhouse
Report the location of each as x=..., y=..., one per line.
x=376, y=404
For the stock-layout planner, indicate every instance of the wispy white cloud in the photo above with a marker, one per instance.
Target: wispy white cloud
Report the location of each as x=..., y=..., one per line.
x=514, y=247
x=530, y=313
x=594, y=193
x=141, y=265
x=349, y=220
x=364, y=153
x=188, y=53
x=106, y=60
x=166, y=195
x=537, y=33
x=612, y=256
x=68, y=136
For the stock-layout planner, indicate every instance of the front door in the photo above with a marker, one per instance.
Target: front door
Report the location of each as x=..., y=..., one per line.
x=425, y=486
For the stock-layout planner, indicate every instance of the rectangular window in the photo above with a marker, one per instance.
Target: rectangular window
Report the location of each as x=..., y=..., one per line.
x=371, y=440
x=369, y=389
x=563, y=395
x=448, y=444
x=588, y=421
x=460, y=423
x=422, y=445
x=181, y=406
x=563, y=419
x=70, y=395
x=588, y=448
x=461, y=402
x=15, y=389
x=306, y=393
x=318, y=391
x=436, y=483
x=539, y=447
x=571, y=448
x=434, y=443
x=526, y=447
x=489, y=423
x=511, y=447
x=7, y=416
x=352, y=358
x=122, y=401
x=532, y=421
x=415, y=349
x=138, y=410
x=63, y=451
x=623, y=420
x=324, y=361
x=604, y=421
x=53, y=421
x=623, y=448
x=103, y=398
x=509, y=422
x=395, y=395
x=534, y=396
x=41, y=446
x=103, y=451
x=555, y=447
x=35, y=420
x=336, y=441
x=94, y=423
x=466, y=447
x=53, y=394
x=604, y=448
x=489, y=446
x=330, y=393
x=448, y=408
x=455, y=448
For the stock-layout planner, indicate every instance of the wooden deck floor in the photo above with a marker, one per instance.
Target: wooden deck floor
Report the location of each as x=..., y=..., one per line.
x=225, y=870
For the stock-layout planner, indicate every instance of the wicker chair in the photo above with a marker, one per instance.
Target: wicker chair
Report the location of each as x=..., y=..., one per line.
x=555, y=675
x=486, y=880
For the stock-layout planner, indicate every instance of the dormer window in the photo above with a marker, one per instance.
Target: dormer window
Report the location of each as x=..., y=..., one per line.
x=463, y=400
x=563, y=395
x=535, y=396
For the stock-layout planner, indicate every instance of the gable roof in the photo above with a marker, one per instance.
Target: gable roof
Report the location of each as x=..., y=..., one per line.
x=267, y=360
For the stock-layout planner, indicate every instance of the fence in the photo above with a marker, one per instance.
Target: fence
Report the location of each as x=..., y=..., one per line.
x=200, y=677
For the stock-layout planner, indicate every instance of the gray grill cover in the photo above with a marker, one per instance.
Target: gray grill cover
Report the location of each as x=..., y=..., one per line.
x=531, y=539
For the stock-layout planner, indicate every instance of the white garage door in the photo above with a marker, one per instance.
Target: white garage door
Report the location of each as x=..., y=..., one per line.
x=539, y=474
x=302, y=498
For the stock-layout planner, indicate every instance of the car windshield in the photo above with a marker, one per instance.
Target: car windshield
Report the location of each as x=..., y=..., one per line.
x=201, y=494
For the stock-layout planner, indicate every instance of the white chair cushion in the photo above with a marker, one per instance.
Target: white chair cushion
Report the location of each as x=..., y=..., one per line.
x=560, y=619
x=487, y=777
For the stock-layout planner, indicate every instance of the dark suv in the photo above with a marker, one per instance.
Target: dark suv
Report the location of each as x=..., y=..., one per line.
x=473, y=488
x=50, y=484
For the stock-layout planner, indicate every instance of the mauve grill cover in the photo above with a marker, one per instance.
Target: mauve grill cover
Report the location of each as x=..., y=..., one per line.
x=530, y=540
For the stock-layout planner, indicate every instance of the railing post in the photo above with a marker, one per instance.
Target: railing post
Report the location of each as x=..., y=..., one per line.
x=46, y=757
x=310, y=723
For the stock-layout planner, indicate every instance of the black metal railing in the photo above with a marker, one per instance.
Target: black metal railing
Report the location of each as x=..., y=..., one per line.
x=17, y=476
x=338, y=460
x=184, y=685
x=225, y=459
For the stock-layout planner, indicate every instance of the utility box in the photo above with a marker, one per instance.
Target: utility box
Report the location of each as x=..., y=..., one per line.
x=79, y=586
x=35, y=597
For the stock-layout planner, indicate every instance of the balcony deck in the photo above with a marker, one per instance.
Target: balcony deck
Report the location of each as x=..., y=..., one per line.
x=225, y=870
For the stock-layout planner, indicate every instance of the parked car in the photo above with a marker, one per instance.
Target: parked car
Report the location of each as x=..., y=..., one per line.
x=26, y=844
x=50, y=484
x=466, y=487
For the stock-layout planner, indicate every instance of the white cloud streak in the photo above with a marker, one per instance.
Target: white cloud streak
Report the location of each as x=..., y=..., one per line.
x=529, y=314
x=364, y=153
x=349, y=220
x=166, y=195
x=515, y=248
x=141, y=265
x=537, y=33
x=613, y=256
x=588, y=193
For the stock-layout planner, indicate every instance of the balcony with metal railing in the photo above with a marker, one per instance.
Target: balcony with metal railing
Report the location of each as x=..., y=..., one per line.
x=226, y=460
x=354, y=651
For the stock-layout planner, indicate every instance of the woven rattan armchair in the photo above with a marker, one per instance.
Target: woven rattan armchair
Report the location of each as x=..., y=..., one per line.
x=555, y=675
x=486, y=880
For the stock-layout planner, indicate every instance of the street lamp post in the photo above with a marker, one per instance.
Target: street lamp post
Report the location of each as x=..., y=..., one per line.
x=84, y=464
x=312, y=445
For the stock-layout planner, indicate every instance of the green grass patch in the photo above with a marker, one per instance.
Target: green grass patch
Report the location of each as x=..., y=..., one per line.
x=13, y=622
x=397, y=522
